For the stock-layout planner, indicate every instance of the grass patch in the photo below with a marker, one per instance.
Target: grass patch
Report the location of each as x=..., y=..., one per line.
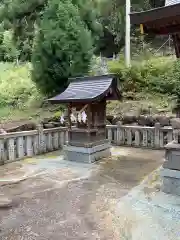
x=16, y=87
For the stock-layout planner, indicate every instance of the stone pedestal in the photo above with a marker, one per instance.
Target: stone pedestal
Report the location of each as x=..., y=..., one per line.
x=171, y=181
x=87, y=145
x=171, y=169
x=87, y=154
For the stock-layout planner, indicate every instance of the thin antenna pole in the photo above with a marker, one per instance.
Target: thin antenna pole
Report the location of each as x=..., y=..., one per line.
x=128, y=34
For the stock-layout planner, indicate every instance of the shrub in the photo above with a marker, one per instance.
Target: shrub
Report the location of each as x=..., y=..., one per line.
x=62, y=49
x=155, y=75
x=172, y=78
x=16, y=87
x=57, y=116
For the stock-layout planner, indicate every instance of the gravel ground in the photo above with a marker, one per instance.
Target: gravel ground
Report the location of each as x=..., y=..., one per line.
x=52, y=199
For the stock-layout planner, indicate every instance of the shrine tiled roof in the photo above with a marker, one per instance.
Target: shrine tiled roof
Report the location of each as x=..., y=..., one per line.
x=88, y=89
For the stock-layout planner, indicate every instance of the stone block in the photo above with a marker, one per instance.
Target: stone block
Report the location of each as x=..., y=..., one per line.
x=171, y=185
x=163, y=120
x=172, y=158
x=175, y=122
x=87, y=155
x=146, y=120
x=170, y=173
x=173, y=164
x=129, y=118
x=171, y=169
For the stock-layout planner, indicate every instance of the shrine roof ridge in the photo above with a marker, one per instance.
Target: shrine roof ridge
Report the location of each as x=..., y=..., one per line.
x=90, y=78
x=89, y=89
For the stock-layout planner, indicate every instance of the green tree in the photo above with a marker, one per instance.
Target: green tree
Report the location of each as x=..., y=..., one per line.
x=112, y=18
x=9, y=48
x=22, y=17
x=113, y=15
x=62, y=48
x=90, y=16
x=104, y=18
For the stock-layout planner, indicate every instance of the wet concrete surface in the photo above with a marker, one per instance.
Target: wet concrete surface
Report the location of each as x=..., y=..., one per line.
x=55, y=199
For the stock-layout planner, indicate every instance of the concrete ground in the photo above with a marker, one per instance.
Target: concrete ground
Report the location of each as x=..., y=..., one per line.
x=53, y=199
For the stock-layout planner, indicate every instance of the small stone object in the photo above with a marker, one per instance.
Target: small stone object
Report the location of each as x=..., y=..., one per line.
x=129, y=118
x=116, y=119
x=57, y=124
x=175, y=122
x=163, y=120
x=146, y=120
x=49, y=125
x=157, y=125
x=119, y=123
x=46, y=120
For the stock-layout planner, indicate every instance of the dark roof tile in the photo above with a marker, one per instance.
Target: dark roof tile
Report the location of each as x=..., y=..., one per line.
x=85, y=89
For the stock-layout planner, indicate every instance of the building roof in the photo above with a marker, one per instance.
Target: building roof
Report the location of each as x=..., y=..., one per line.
x=161, y=3
x=162, y=20
x=89, y=89
x=171, y=2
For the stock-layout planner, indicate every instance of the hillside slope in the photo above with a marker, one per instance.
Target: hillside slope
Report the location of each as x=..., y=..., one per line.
x=21, y=100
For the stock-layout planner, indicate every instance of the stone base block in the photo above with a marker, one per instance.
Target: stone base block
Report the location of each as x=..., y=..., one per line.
x=172, y=157
x=171, y=181
x=173, y=164
x=87, y=155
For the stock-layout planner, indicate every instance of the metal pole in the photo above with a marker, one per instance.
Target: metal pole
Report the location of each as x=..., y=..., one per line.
x=128, y=32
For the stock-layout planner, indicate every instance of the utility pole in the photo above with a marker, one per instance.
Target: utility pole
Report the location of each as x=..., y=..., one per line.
x=128, y=34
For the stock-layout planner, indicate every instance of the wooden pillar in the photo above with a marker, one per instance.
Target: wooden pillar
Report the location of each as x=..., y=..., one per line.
x=105, y=108
x=176, y=41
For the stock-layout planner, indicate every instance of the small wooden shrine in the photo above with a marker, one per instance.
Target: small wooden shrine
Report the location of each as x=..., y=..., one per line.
x=86, y=103
x=163, y=20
